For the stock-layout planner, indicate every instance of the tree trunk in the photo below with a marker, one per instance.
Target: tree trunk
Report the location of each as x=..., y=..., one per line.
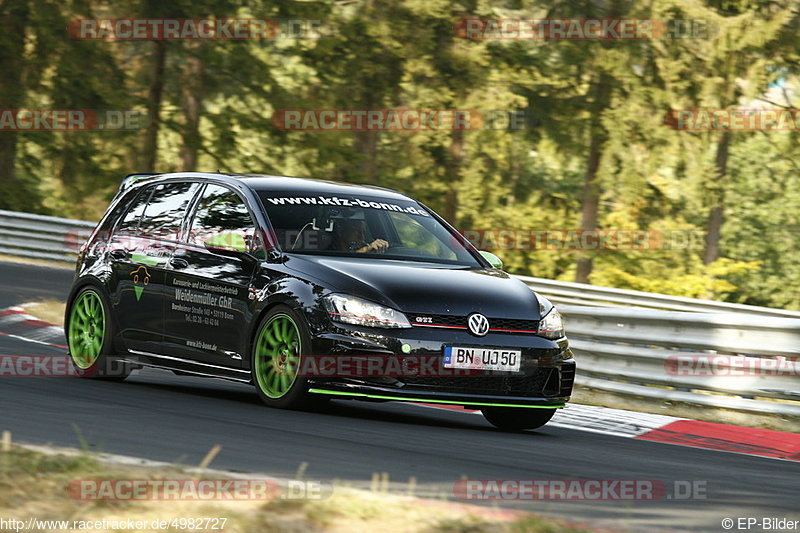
x=513, y=178
x=154, y=97
x=590, y=200
x=192, y=106
x=453, y=172
x=367, y=147
x=716, y=215
x=13, y=21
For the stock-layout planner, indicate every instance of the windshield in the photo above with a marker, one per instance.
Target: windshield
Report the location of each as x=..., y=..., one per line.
x=359, y=226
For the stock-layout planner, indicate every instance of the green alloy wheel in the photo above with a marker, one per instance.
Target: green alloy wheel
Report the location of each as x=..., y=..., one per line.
x=87, y=329
x=278, y=349
x=89, y=334
x=277, y=355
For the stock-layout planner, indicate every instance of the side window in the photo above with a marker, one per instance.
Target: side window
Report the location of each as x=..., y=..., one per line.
x=130, y=223
x=164, y=213
x=220, y=210
x=413, y=235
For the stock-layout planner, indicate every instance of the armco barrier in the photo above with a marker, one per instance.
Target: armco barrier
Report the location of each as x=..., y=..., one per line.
x=564, y=292
x=735, y=361
x=42, y=237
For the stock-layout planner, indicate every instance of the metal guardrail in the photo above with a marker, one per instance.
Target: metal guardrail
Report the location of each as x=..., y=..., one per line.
x=564, y=292
x=627, y=342
x=745, y=363
x=42, y=237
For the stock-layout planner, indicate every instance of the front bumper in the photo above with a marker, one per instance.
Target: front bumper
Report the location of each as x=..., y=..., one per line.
x=366, y=391
x=545, y=378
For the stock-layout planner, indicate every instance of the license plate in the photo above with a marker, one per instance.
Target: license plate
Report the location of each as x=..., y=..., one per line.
x=482, y=358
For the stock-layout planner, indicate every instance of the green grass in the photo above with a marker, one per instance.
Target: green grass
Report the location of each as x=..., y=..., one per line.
x=33, y=484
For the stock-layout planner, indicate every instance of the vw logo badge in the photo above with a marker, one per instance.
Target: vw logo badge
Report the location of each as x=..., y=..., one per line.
x=478, y=324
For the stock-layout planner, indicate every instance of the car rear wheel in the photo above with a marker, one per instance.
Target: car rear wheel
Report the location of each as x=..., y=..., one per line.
x=517, y=418
x=89, y=338
x=281, y=342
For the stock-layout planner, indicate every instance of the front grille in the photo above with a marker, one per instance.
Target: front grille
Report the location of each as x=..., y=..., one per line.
x=532, y=385
x=513, y=324
x=496, y=325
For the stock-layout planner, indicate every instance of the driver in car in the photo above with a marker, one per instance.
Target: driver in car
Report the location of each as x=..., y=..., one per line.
x=350, y=235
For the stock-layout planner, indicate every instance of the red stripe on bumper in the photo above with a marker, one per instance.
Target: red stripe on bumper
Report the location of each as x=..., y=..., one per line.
x=448, y=407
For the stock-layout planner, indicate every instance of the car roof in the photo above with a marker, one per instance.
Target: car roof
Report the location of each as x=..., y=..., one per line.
x=287, y=184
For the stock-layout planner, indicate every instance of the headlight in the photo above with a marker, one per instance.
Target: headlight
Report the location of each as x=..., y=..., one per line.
x=550, y=326
x=353, y=310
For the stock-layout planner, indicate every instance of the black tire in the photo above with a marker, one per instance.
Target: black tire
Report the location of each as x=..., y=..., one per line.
x=106, y=364
x=296, y=396
x=517, y=418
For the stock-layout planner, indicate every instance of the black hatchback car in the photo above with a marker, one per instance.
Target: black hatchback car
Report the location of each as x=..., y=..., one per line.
x=311, y=290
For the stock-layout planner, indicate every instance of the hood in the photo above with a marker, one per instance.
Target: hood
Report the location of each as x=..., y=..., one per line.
x=421, y=288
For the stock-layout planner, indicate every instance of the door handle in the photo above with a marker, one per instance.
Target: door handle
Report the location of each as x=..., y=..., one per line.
x=178, y=263
x=120, y=255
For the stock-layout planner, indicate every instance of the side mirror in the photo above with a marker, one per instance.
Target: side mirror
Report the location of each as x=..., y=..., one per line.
x=226, y=242
x=493, y=260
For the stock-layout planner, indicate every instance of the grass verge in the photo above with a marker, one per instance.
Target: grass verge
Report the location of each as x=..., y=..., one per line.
x=50, y=310
x=70, y=265
x=33, y=485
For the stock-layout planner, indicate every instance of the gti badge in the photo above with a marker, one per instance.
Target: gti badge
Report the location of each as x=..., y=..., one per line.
x=478, y=324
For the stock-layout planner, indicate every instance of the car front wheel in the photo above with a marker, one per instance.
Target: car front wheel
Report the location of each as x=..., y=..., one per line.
x=281, y=342
x=517, y=418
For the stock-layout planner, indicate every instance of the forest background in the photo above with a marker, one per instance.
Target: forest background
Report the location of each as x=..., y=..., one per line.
x=575, y=133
